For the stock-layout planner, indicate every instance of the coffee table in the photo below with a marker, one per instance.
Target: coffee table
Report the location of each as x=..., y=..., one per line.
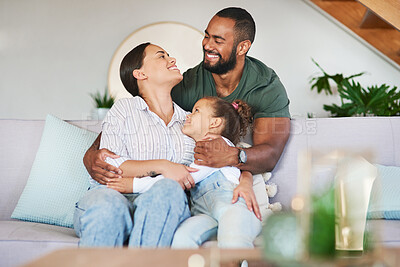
x=123, y=257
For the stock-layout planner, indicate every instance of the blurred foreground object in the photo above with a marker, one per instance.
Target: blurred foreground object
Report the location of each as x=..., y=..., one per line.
x=353, y=185
x=328, y=214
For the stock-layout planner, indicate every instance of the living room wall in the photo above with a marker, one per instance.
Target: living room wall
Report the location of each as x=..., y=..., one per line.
x=53, y=53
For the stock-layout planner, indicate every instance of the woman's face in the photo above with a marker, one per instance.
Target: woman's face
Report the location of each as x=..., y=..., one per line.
x=198, y=123
x=159, y=67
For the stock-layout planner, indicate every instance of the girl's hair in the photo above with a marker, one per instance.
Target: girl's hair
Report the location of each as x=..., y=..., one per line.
x=237, y=117
x=132, y=61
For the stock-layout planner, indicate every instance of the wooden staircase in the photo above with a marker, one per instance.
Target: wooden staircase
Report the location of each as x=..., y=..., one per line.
x=375, y=21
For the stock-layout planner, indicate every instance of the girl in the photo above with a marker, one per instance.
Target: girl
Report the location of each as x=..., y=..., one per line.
x=211, y=198
x=214, y=198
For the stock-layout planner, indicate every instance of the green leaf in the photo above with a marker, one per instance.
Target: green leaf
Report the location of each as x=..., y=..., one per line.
x=103, y=101
x=322, y=82
x=356, y=100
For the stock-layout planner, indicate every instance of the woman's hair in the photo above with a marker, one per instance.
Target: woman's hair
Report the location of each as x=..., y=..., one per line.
x=132, y=61
x=237, y=117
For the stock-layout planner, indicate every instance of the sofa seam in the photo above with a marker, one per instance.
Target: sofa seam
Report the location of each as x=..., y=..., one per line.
x=40, y=241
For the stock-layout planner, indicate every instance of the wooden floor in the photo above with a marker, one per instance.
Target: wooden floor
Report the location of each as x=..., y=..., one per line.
x=351, y=13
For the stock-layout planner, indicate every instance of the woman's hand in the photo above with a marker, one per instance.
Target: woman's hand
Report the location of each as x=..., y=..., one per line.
x=122, y=185
x=245, y=190
x=179, y=173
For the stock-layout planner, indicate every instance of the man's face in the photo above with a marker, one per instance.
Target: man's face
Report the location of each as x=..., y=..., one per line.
x=219, y=45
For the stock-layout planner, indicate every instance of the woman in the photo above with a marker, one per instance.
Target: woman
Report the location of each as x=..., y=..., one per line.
x=143, y=131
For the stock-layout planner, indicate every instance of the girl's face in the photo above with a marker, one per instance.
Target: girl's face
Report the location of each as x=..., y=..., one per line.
x=159, y=68
x=200, y=121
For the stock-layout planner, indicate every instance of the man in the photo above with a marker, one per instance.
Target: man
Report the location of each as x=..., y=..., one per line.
x=226, y=71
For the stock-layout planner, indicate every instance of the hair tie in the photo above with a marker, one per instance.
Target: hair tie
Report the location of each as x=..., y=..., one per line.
x=235, y=105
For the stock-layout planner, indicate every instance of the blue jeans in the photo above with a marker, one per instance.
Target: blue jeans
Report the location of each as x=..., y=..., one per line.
x=107, y=218
x=213, y=212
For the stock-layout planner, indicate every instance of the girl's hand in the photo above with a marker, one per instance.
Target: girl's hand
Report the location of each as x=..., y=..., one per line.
x=245, y=190
x=179, y=173
x=122, y=185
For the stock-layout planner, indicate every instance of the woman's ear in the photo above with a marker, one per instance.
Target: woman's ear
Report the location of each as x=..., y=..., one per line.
x=215, y=123
x=139, y=75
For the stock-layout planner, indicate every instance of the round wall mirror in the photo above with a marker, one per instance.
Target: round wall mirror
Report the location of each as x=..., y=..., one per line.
x=181, y=41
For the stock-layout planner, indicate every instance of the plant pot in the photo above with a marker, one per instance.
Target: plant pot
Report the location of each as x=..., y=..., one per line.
x=99, y=113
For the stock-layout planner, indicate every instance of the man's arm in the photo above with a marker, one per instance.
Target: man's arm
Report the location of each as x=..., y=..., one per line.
x=94, y=161
x=269, y=139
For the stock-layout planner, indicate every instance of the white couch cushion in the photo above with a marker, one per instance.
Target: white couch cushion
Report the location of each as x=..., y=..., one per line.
x=21, y=242
x=58, y=178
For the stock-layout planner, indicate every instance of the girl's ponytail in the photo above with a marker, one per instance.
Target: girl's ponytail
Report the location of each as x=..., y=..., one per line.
x=237, y=117
x=245, y=116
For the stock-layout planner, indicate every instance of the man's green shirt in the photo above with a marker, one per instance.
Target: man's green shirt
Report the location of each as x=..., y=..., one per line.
x=259, y=87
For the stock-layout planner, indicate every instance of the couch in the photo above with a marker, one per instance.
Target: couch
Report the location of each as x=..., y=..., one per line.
x=22, y=241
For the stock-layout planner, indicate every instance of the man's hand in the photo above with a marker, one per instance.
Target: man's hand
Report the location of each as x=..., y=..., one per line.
x=124, y=185
x=213, y=151
x=180, y=173
x=245, y=190
x=99, y=170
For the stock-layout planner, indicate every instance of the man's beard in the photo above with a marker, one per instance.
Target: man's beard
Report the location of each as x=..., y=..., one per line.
x=221, y=67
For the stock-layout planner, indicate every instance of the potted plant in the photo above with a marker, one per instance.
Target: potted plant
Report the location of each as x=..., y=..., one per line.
x=355, y=99
x=103, y=104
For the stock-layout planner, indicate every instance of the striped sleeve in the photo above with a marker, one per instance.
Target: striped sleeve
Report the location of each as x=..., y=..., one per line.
x=113, y=130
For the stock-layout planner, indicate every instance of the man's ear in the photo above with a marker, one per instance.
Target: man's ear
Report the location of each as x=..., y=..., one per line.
x=243, y=47
x=215, y=123
x=139, y=75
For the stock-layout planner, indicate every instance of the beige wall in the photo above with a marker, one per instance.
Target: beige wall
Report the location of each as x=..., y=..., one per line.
x=53, y=53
